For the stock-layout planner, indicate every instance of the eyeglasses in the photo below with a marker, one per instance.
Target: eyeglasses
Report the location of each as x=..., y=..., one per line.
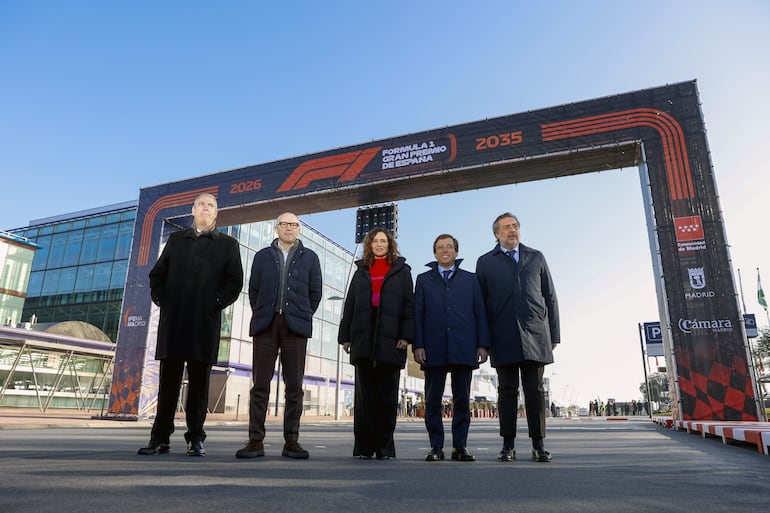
x=284, y=224
x=442, y=247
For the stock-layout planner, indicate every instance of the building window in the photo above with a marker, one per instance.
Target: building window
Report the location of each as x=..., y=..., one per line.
x=123, y=247
x=51, y=282
x=41, y=255
x=73, y=247
x=107, y=243
x=56, y=253
x=102, y=273
x=67, y=280
x=90, y=245
x=84, y=279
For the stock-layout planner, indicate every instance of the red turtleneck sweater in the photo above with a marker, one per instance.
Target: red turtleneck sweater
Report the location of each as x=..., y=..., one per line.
x=377, y=271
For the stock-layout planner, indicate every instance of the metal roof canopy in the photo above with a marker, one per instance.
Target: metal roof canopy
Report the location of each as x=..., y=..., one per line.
x=23, y=341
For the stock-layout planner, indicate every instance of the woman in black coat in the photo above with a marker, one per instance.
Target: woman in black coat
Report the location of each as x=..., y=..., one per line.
x=376, y=328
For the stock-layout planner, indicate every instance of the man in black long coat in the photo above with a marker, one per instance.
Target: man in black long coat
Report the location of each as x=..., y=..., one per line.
x=523, y=317
x=198, y=274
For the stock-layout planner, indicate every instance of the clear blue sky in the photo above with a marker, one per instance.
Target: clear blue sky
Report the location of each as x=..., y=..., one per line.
x=99, y=99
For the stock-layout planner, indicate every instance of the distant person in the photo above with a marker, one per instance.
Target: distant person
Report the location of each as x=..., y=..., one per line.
x=198, y=274
x=452, y=337
x=523, y=316
x=376, y=328
x=285, y=290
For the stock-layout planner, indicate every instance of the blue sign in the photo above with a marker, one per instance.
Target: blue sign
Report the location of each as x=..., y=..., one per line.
x=653, y=336
x=751, y=325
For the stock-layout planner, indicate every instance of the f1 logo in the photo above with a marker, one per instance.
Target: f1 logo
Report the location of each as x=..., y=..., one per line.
x=346, y=166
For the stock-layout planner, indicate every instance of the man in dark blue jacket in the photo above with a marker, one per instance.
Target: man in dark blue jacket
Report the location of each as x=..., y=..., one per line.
x=451, y=337
x=523, y=317
x=284, y=291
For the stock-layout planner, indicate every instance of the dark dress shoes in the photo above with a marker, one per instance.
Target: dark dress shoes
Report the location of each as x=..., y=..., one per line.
x=195, y=448
x=507, y=454
x=154, y=447
x=462, y=454
x=541, y=455
x=435, y=454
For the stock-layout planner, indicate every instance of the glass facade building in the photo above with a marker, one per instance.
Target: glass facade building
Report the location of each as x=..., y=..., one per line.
x=79, y=272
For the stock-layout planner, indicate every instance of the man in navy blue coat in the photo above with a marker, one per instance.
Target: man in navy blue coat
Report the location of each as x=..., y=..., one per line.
x=284, y=291
x=523, y=317
x=451, y=338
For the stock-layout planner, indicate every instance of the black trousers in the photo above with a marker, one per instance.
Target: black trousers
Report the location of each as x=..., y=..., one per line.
x=266, y=348
x=435, y=380
x=375, y=409
x=170, y=379
x=534, y=398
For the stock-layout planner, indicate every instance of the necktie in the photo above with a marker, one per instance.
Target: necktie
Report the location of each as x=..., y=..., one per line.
x=446, y=274
x=514, y=254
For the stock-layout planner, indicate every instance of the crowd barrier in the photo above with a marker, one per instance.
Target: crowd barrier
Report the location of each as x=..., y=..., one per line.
x=752, y=433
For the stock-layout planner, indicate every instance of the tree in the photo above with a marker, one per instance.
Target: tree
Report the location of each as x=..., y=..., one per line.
x=658, y=387
x=761, y=352
x=761, y=344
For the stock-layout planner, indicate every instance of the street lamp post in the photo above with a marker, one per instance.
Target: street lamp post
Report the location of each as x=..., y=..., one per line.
x=339, y=347
x=337, y=384
x=339, y=371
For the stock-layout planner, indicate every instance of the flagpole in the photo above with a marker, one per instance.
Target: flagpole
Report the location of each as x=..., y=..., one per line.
x=644, y=366
x=763, y=302
x=761, y=297
x=740, y=284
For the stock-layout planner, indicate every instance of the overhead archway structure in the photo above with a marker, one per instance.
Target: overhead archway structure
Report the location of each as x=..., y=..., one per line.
x=660, y=130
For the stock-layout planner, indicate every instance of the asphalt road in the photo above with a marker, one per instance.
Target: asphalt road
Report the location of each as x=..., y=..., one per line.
x=598, y=466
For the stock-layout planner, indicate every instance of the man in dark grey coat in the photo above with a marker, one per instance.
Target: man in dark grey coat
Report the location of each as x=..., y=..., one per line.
x=198, y=274
x=285, y=290
x=523, y=317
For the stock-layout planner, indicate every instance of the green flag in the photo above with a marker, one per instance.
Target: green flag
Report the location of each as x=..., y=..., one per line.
x=761, y=293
